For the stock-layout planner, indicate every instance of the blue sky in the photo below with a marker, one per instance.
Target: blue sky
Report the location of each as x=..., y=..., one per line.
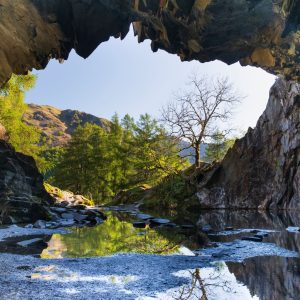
x=126, y=77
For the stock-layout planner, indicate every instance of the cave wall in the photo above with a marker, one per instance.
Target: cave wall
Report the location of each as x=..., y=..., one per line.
x=262, y=33
x=262, y=170
x=23, y=197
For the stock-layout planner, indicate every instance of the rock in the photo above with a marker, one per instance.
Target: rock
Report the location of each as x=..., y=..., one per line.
x=29, y=242
x=59, y=209
x=144, y=216
x=261, y=234
x=262, y=170
x=40, y=224
x=252, y=238
x=206, y=228
x=158, y=221
x=229, y=228
x=139, y=224
x=23, y=198
x=79, y=218
x=66, y=222
x=67, y=216
x=64, y=203
x=259, y=33
x=95, y=220
x=29, y=226
x=171, y=225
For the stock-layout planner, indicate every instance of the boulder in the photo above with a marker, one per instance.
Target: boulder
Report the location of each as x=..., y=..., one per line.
x=22, y=194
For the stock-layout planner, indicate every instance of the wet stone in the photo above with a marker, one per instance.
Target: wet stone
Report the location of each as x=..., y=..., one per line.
x=144, y=216
x=159, y=221
x=229, y=228
x=40, y=224
x=59, y=209
x=29, y=242
x=139, y=224
x=67, y=216
x=206, y=228
x=252, y=238
x=261, y=234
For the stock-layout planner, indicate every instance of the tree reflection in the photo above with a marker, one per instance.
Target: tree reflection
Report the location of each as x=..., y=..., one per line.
x=200, y=288
x=113, y=236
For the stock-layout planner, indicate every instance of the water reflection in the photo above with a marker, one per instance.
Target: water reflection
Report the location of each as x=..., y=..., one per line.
x=272, y=277
x=115, y=235
x=207, y=283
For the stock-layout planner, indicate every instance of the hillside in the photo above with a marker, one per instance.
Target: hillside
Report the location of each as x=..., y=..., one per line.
x=58, y=125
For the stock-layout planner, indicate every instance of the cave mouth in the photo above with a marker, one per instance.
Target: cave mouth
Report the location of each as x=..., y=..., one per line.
x=128, y=85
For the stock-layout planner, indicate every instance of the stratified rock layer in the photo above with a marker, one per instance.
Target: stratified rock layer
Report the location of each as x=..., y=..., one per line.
x=22, y=194
x=263, y=33
x=262, y=170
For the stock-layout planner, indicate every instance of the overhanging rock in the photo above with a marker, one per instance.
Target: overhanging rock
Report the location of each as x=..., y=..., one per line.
x=262, y=33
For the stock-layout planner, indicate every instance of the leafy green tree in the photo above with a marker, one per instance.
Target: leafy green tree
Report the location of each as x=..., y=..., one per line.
x=157, y=154
x=218, y=148
x=24, y=138
x=98, y=163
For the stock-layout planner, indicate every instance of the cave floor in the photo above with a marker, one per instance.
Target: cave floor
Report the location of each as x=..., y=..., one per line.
x=116, y=260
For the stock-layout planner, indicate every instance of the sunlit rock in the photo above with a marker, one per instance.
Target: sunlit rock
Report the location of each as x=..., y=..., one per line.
x=259, y=33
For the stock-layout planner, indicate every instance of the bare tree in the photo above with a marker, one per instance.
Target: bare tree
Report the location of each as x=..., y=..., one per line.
x=194, y=116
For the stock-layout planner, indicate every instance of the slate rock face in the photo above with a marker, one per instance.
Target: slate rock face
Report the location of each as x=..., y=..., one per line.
x=262, y=170
x=22, y=194
x=262, y=33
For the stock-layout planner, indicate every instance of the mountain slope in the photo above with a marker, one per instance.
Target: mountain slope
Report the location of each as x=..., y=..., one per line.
x=58, y=125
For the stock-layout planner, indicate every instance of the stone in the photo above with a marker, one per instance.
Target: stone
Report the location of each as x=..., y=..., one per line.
x=23, y=197
x=59, y=209
x=29, y=242
x=67, y=216
x=229, y=228
x=40, y=224
x=144, y=216
x=258, y=33
x=158, y=221
x=79, y=218
x=252, y=238
x=262, y=170
x=206, y=228
x=139, y=224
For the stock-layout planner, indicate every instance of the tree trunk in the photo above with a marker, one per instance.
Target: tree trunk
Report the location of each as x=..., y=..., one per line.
x=197, y=156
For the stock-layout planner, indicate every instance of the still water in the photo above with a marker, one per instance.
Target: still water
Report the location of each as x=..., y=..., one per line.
x=185, y=262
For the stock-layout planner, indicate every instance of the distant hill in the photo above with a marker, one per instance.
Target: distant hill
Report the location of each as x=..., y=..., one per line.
x=58, y=125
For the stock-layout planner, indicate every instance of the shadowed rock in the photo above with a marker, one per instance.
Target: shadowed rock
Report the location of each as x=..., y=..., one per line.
x=262, y=170
x=259, y=33
x=22, y=194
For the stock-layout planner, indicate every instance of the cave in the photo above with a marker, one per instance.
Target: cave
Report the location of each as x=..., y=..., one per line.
x=247, y=215
x=262, y=171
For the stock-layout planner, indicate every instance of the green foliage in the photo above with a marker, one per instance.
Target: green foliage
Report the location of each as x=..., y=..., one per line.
x=174, y=192
x=23, y=137
x=101, y=163
x=218, y=148
x=115, y=236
